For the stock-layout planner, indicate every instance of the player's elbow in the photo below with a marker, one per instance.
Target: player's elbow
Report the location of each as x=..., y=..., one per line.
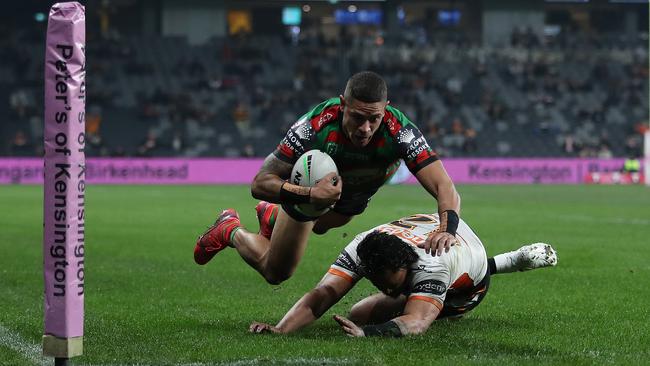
x=256, y=188
x=420, y=329
x=417, y=327
x=320, y=299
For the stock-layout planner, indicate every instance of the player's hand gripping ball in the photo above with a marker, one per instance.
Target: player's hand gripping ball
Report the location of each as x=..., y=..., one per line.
x=310, y=168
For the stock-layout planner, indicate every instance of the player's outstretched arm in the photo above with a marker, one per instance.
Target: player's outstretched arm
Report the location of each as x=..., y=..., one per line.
x=418, y=316
x=310, y=307
x=435, y=180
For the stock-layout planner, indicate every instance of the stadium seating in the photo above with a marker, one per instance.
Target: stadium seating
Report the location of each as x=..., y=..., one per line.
x=573, y=96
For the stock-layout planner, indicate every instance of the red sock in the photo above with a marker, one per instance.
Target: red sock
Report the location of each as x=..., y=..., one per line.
x=229, y=230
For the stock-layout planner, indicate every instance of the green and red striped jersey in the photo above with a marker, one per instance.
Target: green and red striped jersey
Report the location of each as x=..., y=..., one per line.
x=361, y=168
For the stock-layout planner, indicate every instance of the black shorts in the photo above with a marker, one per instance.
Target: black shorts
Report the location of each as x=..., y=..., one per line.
x=350, y=204
x=457, y=303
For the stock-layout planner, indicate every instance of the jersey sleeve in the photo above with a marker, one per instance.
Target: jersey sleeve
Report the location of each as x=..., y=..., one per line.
x=414, y=148
x=430, y=283
x=297, y=140
x=347, y=263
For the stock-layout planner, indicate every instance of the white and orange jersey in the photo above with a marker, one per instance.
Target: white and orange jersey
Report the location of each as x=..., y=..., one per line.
x=430, y=278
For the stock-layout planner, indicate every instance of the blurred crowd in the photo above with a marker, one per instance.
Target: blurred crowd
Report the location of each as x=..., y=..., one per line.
x=566, y=95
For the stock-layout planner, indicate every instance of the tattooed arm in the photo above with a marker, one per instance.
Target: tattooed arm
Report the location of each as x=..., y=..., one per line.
x=270, y=185
x=268, y=181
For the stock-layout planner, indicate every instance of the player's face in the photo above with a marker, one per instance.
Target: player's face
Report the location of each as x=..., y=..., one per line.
x=361, y=120
x=390, y=282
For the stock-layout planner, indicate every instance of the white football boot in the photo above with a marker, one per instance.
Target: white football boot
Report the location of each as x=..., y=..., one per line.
x=533, y=256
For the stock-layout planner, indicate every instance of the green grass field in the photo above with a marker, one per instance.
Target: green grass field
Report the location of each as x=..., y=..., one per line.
x=148, y=303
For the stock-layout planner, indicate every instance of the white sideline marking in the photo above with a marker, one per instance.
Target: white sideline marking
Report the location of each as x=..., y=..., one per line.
x=603, y=219
x=282, y=361
x=28, y=350
x=265, y=361
x=33, y=353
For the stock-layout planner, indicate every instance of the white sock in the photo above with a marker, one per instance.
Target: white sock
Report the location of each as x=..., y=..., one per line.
x=507, y=262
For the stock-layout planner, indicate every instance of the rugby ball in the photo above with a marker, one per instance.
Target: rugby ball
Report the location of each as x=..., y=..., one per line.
x=310, y=168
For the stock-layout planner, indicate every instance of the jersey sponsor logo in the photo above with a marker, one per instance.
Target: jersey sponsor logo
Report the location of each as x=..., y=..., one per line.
x=420, y=141
x=392, y=124
x=345, y=261
x=405, y=136
x=405, y=234
x=304, y=132
x=434, y=287
x=298, y=123
x=293, y=141
x=324, y=118
x=417, y=150
x=424, y=268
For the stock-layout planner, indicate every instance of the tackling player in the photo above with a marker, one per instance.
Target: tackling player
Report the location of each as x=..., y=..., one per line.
x=366, y=138
x=416, y=288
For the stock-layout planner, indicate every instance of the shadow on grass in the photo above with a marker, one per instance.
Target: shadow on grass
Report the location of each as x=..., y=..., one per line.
x=473, y=338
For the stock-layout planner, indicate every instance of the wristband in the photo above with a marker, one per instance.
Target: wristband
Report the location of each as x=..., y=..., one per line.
x=290, y=193
x=388, y=329
x=449, y=222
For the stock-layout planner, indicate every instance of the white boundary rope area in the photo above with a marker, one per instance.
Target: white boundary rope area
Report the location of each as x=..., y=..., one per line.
x=286, y=361
x=263, y=361
x=28, y=350
x=32, y=353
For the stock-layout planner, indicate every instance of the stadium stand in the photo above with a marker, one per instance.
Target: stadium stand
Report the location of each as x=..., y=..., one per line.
x=569, y=95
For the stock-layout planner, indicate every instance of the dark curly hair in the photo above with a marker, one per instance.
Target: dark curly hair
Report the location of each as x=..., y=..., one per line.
x=380, y=251
x=367, y=87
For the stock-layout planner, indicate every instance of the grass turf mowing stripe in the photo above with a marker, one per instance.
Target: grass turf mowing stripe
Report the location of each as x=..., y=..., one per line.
x=147, y=303
x=31, y=352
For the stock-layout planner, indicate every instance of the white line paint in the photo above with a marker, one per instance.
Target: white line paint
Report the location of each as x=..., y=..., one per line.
x=284, y=361
x=30, y=351
x=263, y=361
x=33, y=353
x=603, y=219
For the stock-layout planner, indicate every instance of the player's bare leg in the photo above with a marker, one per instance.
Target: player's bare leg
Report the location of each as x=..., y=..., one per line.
x=377, y=308
x=275, y=259
x=330, y=220
x=266, y=213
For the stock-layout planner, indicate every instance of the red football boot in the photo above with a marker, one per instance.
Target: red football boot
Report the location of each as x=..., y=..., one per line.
x=217, y=237
x=266, y=215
